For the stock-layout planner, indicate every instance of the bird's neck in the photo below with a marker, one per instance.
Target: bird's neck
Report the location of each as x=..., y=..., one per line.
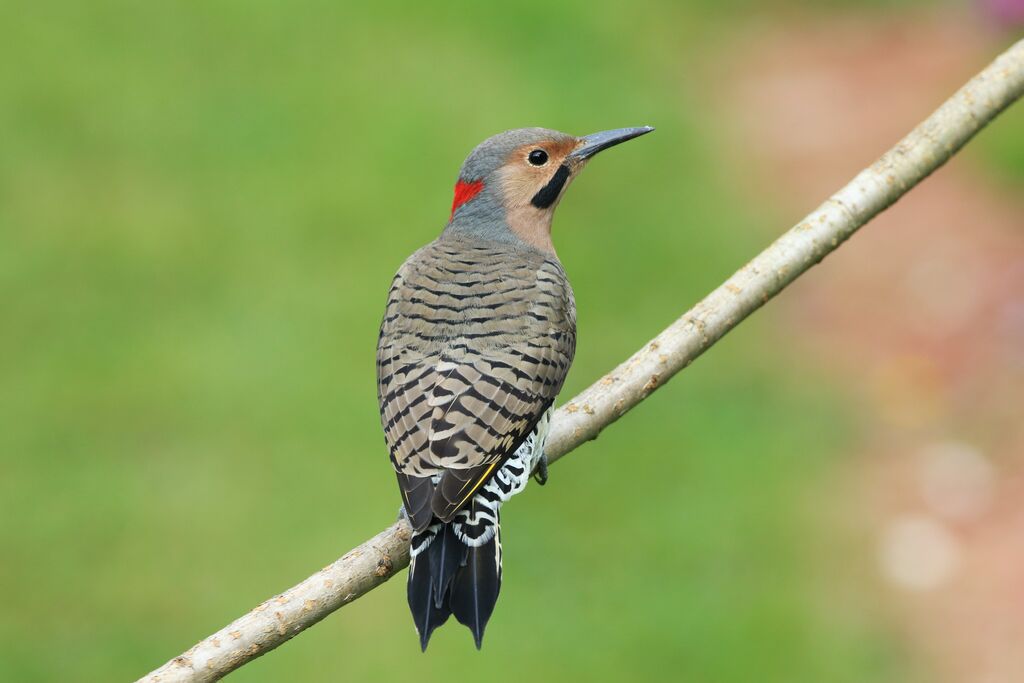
x=519, y=229
x=532, y=226
x=487, y=218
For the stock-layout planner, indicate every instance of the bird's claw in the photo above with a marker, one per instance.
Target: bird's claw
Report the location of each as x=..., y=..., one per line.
x=540, y=472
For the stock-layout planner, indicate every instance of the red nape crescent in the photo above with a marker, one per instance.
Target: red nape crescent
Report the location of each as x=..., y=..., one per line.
x=464, y=192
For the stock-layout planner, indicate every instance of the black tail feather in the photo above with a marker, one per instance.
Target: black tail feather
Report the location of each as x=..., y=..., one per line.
x=475, y=589
x=420, y=590
x=445, y=555
x=448, y=577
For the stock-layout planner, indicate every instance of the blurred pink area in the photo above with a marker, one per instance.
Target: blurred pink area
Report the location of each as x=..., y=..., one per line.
x=920, y=316
x=1009, y=12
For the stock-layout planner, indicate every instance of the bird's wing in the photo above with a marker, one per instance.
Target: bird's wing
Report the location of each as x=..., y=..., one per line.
x=467, y=365
x=487, y=406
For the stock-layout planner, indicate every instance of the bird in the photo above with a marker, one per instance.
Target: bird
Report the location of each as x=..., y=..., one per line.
x=478, y=335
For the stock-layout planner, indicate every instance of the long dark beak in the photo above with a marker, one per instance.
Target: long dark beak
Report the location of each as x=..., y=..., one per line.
x=594, y=143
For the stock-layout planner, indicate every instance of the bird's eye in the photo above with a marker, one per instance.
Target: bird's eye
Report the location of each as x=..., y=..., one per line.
x=537, y=157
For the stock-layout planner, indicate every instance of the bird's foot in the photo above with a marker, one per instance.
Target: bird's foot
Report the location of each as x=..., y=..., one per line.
x=540, y=472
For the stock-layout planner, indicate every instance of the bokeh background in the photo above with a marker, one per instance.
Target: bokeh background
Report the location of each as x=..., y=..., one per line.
x=201, y=205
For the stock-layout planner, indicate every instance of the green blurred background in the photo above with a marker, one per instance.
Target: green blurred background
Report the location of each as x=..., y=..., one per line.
x=201, y=206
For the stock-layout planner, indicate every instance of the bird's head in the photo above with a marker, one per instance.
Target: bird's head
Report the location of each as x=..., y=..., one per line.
x=510, y=184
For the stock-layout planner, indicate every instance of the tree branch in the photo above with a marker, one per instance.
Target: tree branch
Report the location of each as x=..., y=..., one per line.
x=360, y=570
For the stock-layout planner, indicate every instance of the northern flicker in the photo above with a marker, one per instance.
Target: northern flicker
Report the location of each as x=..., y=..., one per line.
x=478, y=335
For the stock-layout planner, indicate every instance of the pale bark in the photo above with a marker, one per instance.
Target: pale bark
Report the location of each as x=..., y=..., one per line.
x=925, y=149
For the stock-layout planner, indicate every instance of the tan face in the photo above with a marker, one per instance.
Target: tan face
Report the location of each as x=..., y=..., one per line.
x=529, y=173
